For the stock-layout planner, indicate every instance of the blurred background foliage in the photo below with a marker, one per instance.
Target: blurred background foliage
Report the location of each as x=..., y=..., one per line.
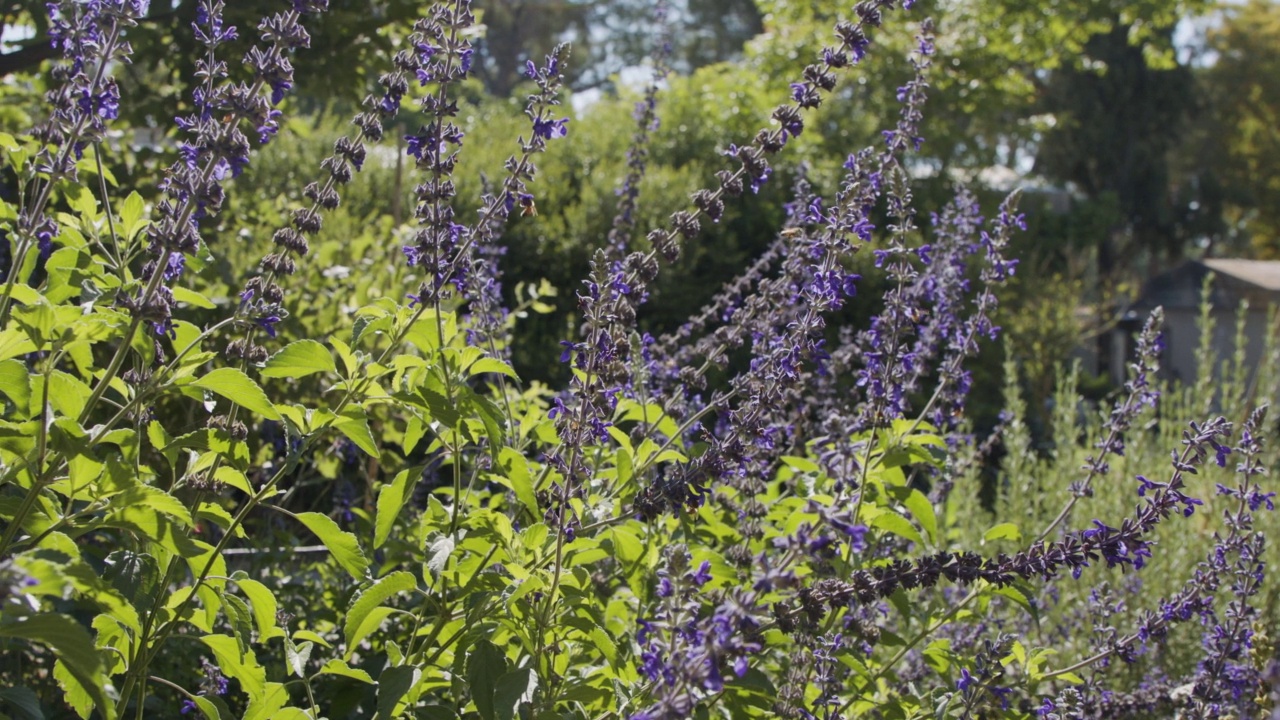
x=1144, y=132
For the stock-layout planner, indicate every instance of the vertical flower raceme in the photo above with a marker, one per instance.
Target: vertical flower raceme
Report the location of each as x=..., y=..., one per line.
x=480, y=254
x=446, y=60
x=90, y=40
x=685, y=650
x=218, y=146
x=261, y=302
x=646, y=117
x=1227, y=680
x=789, y=338
x=1140, y=393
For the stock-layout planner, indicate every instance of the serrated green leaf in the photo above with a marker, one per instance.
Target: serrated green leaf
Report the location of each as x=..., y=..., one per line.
x=360, y=614
x=238, y=616
x=299, y=359
x=240, y=389
x=342, y=669
x=16, y=383
x=513, y=690
x=242, y=666
x=516, y=470
x=485, y=665
x=265, y=707
x=297, y=656
x=492, y=365
x=391, y=499
x=355, y=426
x=264, y=607
x=393, y=684
x=74, y=648
x=15, y=342
x=342, y=545
x=1003, y=531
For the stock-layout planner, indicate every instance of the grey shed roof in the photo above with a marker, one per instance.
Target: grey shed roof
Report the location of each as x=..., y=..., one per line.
x=1257, y=281
x=1262, y=273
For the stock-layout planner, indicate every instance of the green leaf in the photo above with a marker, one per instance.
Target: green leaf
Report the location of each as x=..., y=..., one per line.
x=342, y=669
x=296, y=656
x=274, y=697
x=134, y=575
x=484, y=666
x=131, y=212
x=67, y=394
x=516, y=469
x=1003, y=531
x=22, y=703
x=237, y=611
x=192, y=298
x=342, y=545
x=14, y=343
x=355, y=426
x=898, y=525
x=239, y=389
x=922, y=510
x=242, y=666
x=206, y=706
x=145, y=496
x=74, y=693
x=359, y=616
x=74, y=648
x=492, y=365
x=393, y=684
x=264, y=607
x=299, y=359
x=15, y=383
x=391, y=499
x=441, y=550
x=513, y=690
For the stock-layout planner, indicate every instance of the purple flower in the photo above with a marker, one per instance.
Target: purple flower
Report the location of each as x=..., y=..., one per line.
x=549, y=129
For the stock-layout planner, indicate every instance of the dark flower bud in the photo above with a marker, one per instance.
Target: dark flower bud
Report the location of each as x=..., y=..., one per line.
x=771, y=141
x=869, y=12
x=820, y=77
x=272, y=293
x=234, y=428
x=644, y=266
x=279, y=263
x=686, y=224
x=730, y=182
x=707, y=202
x=851, y=35
x=666, y=245
x=339, y=169
x=307, y=221
x=291, y=240
x=370, y=124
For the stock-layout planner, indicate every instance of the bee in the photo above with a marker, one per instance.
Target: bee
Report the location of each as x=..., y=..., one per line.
x=791, y=232
x=527, y=208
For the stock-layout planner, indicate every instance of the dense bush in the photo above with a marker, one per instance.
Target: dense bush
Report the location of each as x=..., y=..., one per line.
x=316, y=487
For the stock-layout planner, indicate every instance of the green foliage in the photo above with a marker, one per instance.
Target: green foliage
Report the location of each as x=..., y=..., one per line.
x=1239, y=139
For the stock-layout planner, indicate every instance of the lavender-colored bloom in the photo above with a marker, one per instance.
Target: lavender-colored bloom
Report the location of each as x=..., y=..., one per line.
x=217, y=148
x=85, y=98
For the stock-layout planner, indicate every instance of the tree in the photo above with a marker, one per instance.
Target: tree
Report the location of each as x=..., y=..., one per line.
x=1243, y=86
x=1118, y=123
